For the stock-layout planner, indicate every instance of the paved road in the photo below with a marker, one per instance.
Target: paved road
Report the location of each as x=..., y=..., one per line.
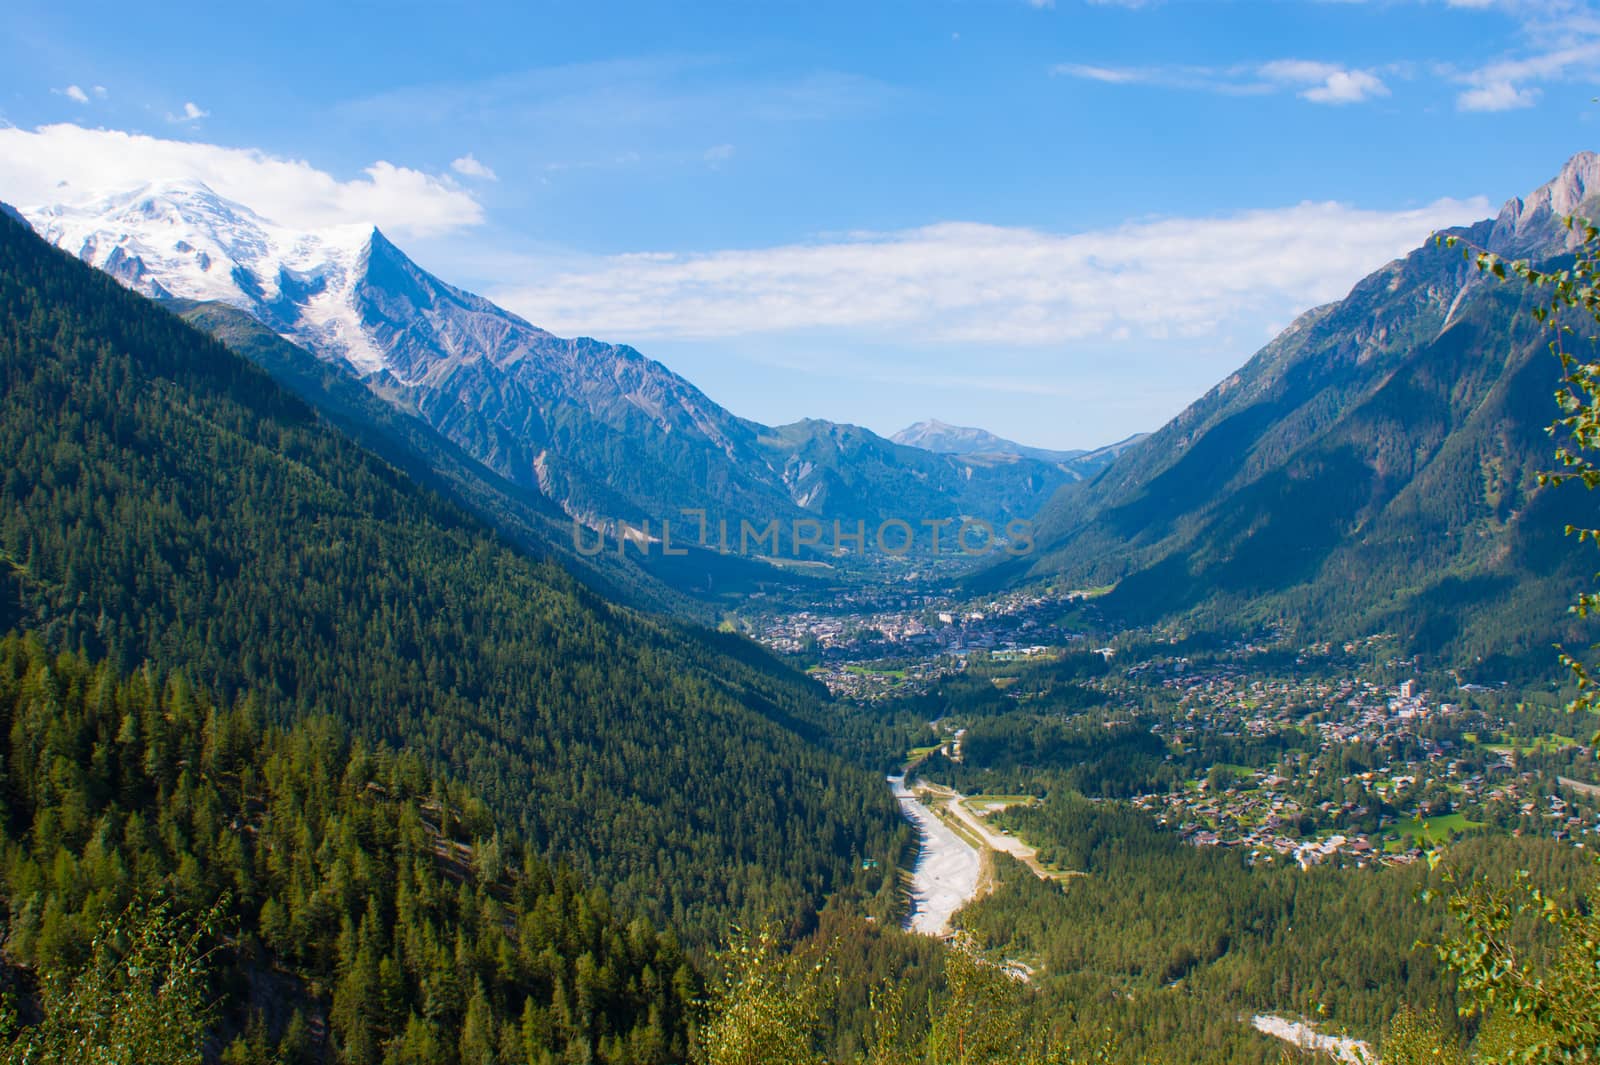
x=945, y=877
x=1580, y=786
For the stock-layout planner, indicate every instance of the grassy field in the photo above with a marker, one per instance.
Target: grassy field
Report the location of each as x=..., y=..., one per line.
x=1244, y=771
x=983, y=804
x=1432, y=830
x=1550, y=742
x=868, y=671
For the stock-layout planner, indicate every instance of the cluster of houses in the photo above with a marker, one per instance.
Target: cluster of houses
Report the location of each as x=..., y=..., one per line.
x=1304, y=815
x=909, y=627
x=1308, y=810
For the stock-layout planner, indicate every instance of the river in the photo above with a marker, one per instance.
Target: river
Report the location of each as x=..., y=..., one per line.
x=945, y=877
x=1344, y=1049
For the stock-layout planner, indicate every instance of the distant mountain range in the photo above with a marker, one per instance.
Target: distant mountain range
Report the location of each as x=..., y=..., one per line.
x=602, y=432
x=944, y=439
x=1372, y=470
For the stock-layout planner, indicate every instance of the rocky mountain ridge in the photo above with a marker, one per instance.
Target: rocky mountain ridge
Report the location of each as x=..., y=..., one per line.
x=1374, y=468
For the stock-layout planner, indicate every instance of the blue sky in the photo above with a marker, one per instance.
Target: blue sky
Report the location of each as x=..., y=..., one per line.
x=1058, y=221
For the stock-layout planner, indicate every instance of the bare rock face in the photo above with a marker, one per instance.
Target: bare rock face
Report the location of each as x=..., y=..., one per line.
x=1535, y=225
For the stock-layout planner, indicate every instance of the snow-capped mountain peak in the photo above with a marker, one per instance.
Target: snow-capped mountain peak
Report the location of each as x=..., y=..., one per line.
x=352, y=297
x=598, y=427
x=182, y=240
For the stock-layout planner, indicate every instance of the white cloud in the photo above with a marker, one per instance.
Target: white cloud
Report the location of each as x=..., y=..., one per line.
x=1326, y=83
x=1502, y=86
x=1347, y=87
x=192, y=112
x=718, y=153
x=468, y=166
x=1497, y=96
x=972, y=283
x=73, y=93
x=1560, y=44
x=68, y=163
x=100, y=92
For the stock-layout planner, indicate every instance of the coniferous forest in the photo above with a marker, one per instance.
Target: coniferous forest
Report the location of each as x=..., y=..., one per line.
x=165, y=503
x=359, y=898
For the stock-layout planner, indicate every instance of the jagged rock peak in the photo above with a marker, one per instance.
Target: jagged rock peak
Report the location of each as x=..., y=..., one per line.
x=1533, y=225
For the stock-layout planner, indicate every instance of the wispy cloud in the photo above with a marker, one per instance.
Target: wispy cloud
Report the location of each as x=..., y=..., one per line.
x=67, y=163
x=962, y=282
x=718, y=154
x=469, y=166
x=1504, y=85
x=1109, y=75
x=1315, y=81
x=1560, y=44
x=1552, y=42
x=73, y=93
x=192, y=112
x=1497, y=96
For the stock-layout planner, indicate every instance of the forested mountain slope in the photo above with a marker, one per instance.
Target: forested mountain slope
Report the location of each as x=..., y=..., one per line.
x=368, y=912
x=1372, y=469
x=164, y=501
x=685, y=586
